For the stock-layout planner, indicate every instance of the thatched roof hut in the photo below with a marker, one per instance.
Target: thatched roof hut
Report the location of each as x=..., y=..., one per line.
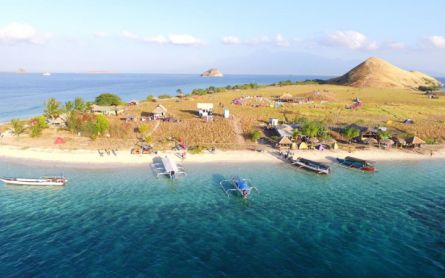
x=286, y=97
x=160, y=111
x=415, y=141
x=284, y=142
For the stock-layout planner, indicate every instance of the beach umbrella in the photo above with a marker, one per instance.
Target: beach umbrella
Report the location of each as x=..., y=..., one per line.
x=59, y=141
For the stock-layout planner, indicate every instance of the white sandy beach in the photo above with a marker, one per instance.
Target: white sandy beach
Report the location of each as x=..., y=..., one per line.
x=91, y=157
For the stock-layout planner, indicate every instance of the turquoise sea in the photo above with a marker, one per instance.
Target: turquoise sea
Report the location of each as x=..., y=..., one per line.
x=125, y=222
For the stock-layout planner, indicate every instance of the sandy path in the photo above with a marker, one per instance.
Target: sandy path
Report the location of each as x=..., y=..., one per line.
x=238, y=130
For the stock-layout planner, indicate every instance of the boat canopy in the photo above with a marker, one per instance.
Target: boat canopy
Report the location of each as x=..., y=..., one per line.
x=242, y=184
x=170, y=164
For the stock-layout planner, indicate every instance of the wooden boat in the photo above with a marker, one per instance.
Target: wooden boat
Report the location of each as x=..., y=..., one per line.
x=44, y=181
x=357, y=163
x=313, y=166
x=167, y=166
x=238, y=184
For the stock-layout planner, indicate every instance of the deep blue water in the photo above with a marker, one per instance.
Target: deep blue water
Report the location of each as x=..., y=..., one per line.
x=23, y=95
x=125, y=222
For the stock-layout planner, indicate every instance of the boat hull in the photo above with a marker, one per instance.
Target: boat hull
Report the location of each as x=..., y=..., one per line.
x=30, y=182
x=351, y=165
x=312, y=169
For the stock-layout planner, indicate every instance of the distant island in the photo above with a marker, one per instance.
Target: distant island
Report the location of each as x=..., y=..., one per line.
x=212, y=73
x=378, y=73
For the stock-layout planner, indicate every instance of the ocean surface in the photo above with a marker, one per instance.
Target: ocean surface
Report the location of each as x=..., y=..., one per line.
x=125, y=222
x=24, y=95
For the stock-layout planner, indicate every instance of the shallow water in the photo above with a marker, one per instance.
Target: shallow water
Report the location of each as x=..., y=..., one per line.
x=115, y=222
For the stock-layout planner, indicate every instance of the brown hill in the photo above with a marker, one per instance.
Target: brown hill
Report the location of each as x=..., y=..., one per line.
x=378, y=73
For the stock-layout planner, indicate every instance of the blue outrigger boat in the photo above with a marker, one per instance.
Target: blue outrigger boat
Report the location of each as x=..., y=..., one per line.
x=240, y=185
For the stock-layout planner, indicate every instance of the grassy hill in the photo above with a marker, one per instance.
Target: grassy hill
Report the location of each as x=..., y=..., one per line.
x=378, y=73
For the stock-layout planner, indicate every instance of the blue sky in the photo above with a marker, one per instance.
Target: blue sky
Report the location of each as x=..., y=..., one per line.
x=270, y=37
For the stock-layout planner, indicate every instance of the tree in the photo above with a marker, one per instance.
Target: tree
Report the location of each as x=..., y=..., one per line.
x=295, y=133
x=383, y=135
x=69, y=107
x=18, y=127
x=52, y=108
x=37, y=126
x=108, y=99
x=351, y=133
x=79, y=104
x=148, y=139
x=179, y=93
x=255, y=135
x=102, y=124
x=150, y=98
x=314, y=129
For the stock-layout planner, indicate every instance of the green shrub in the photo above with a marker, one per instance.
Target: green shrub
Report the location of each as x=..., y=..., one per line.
x=255, y=135
x=18, y=126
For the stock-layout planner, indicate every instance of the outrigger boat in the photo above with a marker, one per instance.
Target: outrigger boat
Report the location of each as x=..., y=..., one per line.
x=357, y=163
x=167, y=166
x=44, y=181
x=240, y=185
x=310, y=165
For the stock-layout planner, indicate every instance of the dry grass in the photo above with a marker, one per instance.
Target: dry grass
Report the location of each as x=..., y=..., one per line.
x=379, y=107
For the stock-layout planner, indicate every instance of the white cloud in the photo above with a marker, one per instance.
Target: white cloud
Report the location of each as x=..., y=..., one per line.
x=435, y=42
x=14, y=33
x=173, y=39
x=351, y=40
x=278, y=40
x=281, y=41
x=101, y=35
x=396, y=45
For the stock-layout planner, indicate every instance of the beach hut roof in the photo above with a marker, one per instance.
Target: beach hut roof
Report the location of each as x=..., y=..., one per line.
x=399, y=140
x=414, y=141
x=160, y=109
x=205, y=106
x=329, y=141
x=285, y=141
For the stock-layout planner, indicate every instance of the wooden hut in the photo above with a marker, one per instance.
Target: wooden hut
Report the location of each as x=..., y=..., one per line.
x=159, y=112
x=284, y=143
x=414, y=142
x=399, y=141
x=107, y=110
x=286, y=97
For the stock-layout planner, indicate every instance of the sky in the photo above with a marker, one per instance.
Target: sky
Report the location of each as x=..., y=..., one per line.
x=239, y=37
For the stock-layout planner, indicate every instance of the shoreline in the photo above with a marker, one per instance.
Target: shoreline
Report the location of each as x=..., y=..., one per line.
x=92, y=159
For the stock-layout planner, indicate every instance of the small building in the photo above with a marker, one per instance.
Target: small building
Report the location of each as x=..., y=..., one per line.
x=107, y=110
x=284, y=143
x=159, y=112
x=205, y=109
x=286, y=97
x=386, y=143
x=414, y=142
x=399, y=141
x=273, y=122
x=226, y=113
x=59, y=122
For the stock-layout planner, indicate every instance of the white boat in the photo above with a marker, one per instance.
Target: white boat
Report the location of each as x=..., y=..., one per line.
x=46, y=74
x=44, y=181
x=167, y=166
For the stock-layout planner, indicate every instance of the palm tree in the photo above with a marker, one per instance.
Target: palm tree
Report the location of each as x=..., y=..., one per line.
x=52, y=108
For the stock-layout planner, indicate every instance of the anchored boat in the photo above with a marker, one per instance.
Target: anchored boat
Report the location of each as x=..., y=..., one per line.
x=167, y=166
x=44, y=181
x=357, y=163
x=310, y=165
x=239, y=185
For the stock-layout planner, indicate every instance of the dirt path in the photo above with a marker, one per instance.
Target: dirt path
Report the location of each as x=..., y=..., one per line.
x=238, y=130
x=154, y=128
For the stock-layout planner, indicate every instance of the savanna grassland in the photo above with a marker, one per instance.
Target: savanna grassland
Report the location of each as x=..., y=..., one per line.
x=381, y=107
